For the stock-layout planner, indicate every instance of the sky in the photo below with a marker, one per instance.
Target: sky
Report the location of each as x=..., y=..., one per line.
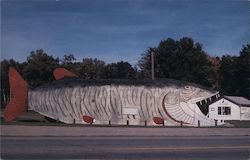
x=120, y=30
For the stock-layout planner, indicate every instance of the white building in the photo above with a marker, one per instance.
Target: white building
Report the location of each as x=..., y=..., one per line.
x=230, y=108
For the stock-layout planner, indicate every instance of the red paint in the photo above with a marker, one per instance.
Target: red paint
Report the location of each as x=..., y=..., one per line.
x=165, y=110
x=60, y=73
x=88, y=119
x=19, y=96
x=158, y=120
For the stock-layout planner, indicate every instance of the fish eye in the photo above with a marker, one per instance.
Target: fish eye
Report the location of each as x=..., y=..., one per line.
x=187, y=87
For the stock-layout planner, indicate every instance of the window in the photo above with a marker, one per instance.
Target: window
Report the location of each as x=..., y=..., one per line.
x=219, y=110
x=227, y=111
x=224, y=111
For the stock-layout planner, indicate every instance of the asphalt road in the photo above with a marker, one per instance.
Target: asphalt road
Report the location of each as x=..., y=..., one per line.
x=126, y=147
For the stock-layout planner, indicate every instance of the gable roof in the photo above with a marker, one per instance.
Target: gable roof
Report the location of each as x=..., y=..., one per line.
x=241, y=101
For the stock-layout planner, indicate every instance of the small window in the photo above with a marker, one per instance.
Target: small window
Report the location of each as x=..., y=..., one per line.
x=224, y=111
x=219, y=110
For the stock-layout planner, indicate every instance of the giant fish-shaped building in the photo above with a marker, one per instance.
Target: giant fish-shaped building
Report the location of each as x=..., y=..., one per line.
x=136, y=102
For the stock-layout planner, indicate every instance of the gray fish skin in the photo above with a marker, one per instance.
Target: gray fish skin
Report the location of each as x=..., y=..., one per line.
x=68, y=101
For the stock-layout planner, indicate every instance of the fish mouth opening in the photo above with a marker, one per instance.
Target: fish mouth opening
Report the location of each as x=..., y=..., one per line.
x=204, y=103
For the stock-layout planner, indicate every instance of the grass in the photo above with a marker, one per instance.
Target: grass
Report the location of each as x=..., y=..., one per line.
x=240, y=124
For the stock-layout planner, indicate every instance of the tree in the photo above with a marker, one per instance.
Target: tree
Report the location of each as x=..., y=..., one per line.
x=69, y=62
x=234, y=74
x=119, y=70
x=5, y=89
x=216, y=66
x=182, y=60
x=91, y=68
x=243, y=72
x=39, y=68
x=227, y=79
x=68, y=59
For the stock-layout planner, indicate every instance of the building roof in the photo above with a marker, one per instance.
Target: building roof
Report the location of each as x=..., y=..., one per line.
x=241, y=101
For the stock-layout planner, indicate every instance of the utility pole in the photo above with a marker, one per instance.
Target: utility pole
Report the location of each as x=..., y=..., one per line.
x=152, y=65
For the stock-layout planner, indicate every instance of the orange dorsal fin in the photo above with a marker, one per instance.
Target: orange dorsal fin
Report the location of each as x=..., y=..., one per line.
x=19, y=96
x=60, y=73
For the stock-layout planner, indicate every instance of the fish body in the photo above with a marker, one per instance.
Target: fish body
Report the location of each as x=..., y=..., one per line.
x=71, y=100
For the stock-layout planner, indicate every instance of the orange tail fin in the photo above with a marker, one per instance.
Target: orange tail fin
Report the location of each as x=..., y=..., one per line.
x=60, y=73
x=19, y=96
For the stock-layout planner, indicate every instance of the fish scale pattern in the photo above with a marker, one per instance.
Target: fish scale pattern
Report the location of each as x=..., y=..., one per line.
x=107, y=102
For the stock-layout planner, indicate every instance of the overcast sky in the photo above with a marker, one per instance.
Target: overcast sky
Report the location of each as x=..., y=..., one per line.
x=115, y=30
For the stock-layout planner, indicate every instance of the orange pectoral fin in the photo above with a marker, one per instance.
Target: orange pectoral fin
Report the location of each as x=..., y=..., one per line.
x=88, y=119
x=60, y=73
x=158, y=120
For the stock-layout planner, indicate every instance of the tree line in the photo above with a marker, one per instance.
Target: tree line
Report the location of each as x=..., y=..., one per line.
x=181, y=59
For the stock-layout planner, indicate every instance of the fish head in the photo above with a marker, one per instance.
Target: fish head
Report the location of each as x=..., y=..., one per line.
x=189, y=92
